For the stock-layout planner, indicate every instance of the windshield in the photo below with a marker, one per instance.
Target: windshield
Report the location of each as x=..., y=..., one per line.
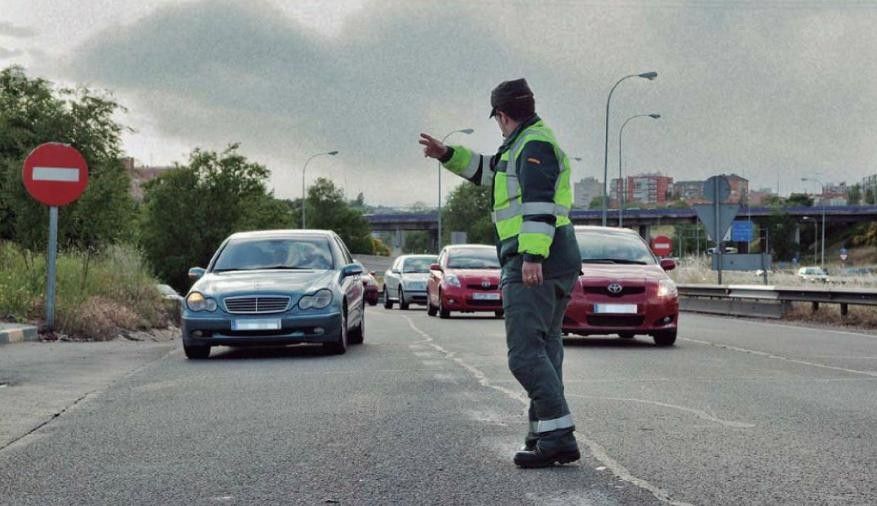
x=602, y=247
x=254, y=254
x=418, y=265
x=482, y=258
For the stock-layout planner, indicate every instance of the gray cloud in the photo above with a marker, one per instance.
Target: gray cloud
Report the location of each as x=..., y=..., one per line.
x=6, y=54
x=767, y=92
x=10, y=30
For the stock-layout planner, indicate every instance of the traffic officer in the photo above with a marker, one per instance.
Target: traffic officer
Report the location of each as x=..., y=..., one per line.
x=536, y=245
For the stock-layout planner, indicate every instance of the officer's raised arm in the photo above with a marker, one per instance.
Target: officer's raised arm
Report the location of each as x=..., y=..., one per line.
x=460, y=160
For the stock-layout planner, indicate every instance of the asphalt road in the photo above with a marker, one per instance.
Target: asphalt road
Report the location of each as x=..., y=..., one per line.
x=739, y=412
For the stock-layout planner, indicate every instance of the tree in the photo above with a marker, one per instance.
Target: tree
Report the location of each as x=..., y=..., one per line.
x=854, y=196
x=799, y=200
x=596, y=203
x=468, y=210
x=417, y=242
x=191, y=209
x=870, y=196
x=326, y=209
x=781, y=234
x=33, y=112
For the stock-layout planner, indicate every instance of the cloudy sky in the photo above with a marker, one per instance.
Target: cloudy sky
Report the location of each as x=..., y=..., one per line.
x=774, y=90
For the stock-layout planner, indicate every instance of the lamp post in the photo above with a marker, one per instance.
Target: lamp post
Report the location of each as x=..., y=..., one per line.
x=620, y=178
x=304, y=196
x=438, y=241
x=647, y=75
x=822, y=254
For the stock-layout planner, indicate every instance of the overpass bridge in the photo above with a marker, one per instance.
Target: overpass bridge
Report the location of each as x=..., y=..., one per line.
x=643, y=219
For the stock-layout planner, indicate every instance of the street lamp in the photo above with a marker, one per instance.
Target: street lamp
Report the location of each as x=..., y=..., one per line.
x=822, y=255
x=647, y=75
x=621, y=179
x=438, y=241
x=304, y=195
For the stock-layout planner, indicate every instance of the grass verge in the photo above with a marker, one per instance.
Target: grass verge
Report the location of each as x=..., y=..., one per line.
x=98, y=295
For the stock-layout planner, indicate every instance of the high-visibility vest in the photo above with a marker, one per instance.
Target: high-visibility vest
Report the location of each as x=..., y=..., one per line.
x=510, y=213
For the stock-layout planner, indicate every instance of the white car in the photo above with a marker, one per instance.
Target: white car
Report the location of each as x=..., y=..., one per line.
x=813, y=274
x=405, y=280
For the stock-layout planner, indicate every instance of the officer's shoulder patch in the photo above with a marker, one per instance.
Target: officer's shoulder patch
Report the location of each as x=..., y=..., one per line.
x=534, y=160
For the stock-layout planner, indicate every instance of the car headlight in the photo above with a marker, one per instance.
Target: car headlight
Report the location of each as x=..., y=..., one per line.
x=196, y=301
x=318, y=300
x=667, y=288
x=452, y=280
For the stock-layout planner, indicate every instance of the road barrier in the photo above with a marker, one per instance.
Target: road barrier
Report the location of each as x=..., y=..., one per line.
x=767, y=301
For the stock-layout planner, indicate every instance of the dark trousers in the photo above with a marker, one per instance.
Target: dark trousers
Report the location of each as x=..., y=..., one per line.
x=533, y=321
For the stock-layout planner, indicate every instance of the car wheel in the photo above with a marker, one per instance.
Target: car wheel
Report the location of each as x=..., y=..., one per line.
x=402, y=304
x=196, y=352
x=625, y=335
x=665, y=337
x=499, y=314
x=339, y=347
x=388, y=304
x=443, y=313
x=357, y=335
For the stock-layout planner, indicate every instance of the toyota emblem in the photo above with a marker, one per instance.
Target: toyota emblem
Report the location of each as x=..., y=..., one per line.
x=614, y=288
x=485, y=283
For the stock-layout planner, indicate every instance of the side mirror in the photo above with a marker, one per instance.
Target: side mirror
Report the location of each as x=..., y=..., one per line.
x=196, y=273
x=668, y=264
x=351, y=270
x=435, y=267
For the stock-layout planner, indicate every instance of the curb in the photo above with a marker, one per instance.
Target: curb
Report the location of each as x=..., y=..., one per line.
x=10, y=333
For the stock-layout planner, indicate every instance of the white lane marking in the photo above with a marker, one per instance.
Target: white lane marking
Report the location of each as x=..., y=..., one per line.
x=765, y=354
x=794, y=327
x=60, y=174
x=694, y=411
x=597, y=451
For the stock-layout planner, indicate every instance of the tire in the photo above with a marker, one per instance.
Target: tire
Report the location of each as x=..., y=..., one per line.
x=339, y=347
x=443, y=313
x=430, y=309
x=499, y=314
x=388, y=304
x=402, y=304
x=625, y=335
x=196, y=352
x=357, y=335
x=665, y=337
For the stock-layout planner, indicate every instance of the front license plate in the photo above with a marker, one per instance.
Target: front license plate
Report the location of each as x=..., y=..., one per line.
x=255, y=325
x=485, y=296
x=615, y=308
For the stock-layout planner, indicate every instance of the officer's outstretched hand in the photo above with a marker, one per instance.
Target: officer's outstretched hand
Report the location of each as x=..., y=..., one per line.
x=432, y=147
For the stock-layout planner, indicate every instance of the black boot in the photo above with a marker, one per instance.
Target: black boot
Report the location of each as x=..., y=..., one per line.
x=530, y=442
x=557, y=446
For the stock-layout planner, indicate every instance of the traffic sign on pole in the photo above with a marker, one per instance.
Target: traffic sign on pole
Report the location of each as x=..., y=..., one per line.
x=54, y=174
x=662, y=245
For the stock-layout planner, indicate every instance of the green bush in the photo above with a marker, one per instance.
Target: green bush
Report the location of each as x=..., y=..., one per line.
x=98, y=295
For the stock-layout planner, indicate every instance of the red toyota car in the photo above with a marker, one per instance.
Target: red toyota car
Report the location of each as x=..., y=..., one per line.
x=623, y=290
x=465, y=279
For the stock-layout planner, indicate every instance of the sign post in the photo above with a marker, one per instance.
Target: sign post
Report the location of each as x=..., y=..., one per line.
x=54, y=174
x=717, y=217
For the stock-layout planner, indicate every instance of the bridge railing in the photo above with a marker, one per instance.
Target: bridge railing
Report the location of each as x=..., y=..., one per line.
x=768, y=301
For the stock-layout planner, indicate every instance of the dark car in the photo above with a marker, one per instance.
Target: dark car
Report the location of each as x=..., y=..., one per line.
x=465, y=279
x=276, y=287
x=372, y=293
x=623, y=288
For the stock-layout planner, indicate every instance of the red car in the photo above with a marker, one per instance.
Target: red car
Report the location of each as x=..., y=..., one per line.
x=372, y=295
x=465, y=279
x=624, y=288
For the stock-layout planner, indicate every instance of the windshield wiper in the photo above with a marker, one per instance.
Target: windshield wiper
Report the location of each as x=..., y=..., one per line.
x=612, y=261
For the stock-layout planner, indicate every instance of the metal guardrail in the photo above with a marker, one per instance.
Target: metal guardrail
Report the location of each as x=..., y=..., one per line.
x=768, y=301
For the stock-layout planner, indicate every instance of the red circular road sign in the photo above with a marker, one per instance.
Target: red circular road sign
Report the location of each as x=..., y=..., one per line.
x=662, y=245
x=55, y=174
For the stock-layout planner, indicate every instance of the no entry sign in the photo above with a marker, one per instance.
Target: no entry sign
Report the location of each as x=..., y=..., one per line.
x=55, y=174
x=662, y=245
